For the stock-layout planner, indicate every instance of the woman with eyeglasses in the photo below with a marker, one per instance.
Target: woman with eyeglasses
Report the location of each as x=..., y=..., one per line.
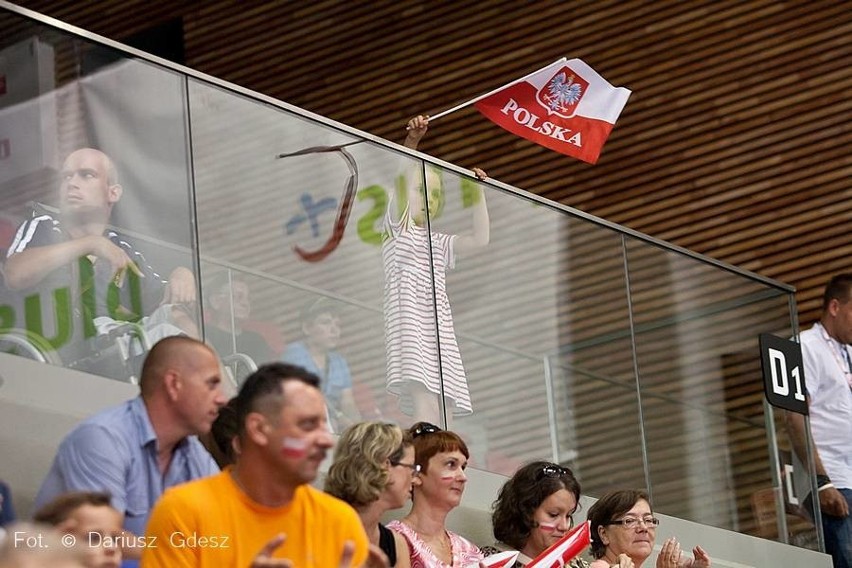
x=533, y=510
x=438, y=489
x=372, y=470
x=624, y=530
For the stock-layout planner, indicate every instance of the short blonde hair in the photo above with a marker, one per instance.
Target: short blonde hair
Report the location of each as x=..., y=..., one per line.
x=358, y=474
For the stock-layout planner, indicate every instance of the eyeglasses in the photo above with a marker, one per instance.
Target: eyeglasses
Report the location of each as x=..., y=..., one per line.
x=553, y=470
x=414, y=467
x=633, y=522
x=424, y=428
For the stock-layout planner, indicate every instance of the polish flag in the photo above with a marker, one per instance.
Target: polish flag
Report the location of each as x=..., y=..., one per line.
x=501, y=560
x=565, y=549
x=294, y=447
x=566, y=107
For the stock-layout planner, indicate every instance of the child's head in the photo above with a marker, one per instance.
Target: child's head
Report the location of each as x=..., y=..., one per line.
x=321, y=323
x=434, y=194
x=91, y=517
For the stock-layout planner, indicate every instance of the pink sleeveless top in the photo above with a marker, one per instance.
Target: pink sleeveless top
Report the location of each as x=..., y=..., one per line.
x=464, y=552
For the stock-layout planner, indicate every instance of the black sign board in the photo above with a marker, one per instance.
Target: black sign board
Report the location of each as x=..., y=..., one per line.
x=783, y=375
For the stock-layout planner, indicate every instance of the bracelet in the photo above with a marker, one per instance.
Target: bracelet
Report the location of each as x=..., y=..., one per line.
x=828, y=485
x=822, y=480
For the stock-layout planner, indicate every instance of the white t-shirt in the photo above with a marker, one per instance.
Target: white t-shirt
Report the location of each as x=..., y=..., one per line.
x=830, y=403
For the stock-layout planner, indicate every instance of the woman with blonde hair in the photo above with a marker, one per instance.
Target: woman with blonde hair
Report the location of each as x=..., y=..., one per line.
x=373, y=470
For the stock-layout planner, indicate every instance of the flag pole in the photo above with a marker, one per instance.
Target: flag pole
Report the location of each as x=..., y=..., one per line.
x=489, y=93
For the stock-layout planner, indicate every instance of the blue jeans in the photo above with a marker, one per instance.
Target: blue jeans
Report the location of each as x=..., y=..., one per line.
x=838, y=533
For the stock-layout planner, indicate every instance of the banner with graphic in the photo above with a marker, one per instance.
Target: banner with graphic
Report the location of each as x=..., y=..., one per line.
x=566, y=107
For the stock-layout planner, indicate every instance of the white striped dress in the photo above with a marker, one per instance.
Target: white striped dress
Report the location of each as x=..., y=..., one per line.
x=410, y=331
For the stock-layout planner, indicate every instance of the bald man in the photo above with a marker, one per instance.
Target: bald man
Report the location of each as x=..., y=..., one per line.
x=138, y=449
x=77, y=250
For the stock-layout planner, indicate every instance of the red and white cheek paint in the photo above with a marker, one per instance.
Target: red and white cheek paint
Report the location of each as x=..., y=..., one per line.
x=546, y=527
x=294, y=448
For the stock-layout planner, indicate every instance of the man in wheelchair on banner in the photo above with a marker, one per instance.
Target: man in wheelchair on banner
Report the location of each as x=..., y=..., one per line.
x=95, y=284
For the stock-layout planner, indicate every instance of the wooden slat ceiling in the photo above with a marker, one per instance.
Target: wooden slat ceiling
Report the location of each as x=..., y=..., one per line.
x=735, y=144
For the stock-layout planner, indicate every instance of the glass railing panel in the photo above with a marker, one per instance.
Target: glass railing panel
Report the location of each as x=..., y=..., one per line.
x=308, y=227
x=526, y=312
x=238, y=323
x=599, y=427
x=701, y=387
x=127, y=202
x=595, y=362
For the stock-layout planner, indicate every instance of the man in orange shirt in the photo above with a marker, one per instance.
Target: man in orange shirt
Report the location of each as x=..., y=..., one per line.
x=262, y=510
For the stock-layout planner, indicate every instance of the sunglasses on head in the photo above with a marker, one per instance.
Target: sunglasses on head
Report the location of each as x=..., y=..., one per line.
x=553, y=470
x=424, y=428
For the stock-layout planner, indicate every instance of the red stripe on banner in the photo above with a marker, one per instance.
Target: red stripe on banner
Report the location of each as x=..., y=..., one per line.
x=565, y=549
x=515, y=109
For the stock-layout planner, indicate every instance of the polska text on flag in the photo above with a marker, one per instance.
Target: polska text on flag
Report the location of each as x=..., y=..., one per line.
x=566, y=107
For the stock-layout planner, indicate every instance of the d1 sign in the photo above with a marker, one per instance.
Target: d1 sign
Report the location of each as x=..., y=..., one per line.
x=783, y=375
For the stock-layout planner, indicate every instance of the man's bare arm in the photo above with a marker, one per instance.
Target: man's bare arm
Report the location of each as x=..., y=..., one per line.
x=831, y=501
x=29, y=267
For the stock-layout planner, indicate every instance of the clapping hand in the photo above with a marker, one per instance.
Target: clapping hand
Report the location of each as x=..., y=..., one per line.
x=700, y=559
x=375, y=557
x=264, y=557
x=671, y=556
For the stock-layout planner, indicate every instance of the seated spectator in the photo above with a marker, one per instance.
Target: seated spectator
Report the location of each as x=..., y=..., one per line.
x=7, y=509
x=624, y=530
x=535, y=509
x=262, y=509
x=92, y=520
x=138, y=449
x=438, y=489
x=39, y=546
x=108, y=278
x=316, y=353
x=228, y=310
x=373, y=470
x=221, y=441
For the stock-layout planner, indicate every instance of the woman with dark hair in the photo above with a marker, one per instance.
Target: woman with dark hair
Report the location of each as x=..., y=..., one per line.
x=534, y=509
x=623, y=531
x=373, y=470
x=442, y=457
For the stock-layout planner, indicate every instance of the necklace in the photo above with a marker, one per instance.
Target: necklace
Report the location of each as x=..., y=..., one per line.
x=439, y=544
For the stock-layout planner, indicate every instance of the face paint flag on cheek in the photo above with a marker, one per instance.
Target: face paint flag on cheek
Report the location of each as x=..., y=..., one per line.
x=294, y=448
x=546, y=527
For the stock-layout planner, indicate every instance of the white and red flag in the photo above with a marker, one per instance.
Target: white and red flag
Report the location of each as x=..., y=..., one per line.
x=566, y=107
x=500, y=560
x=561, y=552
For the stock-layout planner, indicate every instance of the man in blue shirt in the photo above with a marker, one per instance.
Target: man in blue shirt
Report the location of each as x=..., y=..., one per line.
x=138, y=449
